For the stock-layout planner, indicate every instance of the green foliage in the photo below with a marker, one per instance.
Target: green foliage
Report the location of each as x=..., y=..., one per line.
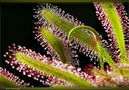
x=74, y=32
x=5, y=82
x=114, y=19
x=48, y=69
x=91, y=40
x=78, y=33
x=56, y=44
x=101, y=73
x=54, y=19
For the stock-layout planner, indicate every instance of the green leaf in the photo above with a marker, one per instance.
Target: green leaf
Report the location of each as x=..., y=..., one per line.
x=6, y=83
x=115, y=21
x=102, y=52
x=54, y=19
x=100, y=73
x=48, y=69
x=92, y=41
x=57, y=45
x=78, y=33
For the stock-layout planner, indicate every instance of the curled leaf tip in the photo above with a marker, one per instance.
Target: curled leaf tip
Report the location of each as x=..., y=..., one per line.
x=94, y=38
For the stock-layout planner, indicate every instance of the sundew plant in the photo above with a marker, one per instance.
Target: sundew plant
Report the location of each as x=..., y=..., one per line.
x=64, y=37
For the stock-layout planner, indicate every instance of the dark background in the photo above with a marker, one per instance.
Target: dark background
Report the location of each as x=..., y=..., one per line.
x=17, y=24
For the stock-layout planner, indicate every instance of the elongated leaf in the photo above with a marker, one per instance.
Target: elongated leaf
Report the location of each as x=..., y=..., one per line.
x=6, y=83
x=57, y=45
x=54, y=19
x=101, y=74
x=42, y=67
x=115, y=21
x=9, y=80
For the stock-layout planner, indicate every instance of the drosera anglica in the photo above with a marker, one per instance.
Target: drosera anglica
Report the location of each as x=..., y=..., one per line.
x=116, y=26
x=54, y=71
x=60, y=23
x=53, y=22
